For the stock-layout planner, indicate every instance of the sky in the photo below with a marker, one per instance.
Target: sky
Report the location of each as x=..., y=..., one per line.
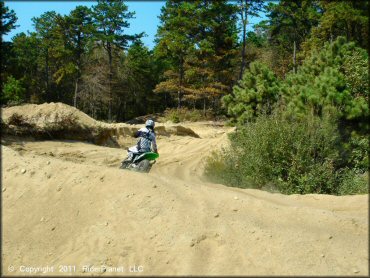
x=146, y=18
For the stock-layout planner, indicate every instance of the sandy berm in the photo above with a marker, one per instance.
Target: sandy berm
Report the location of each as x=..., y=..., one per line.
x=65, y=202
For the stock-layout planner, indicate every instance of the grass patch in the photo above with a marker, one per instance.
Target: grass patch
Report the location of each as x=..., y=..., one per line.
x=190, y=115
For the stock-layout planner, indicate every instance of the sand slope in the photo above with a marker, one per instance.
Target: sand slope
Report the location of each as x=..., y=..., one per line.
x=73, y=206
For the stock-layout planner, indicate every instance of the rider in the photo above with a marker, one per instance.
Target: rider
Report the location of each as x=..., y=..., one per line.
x=146, y=142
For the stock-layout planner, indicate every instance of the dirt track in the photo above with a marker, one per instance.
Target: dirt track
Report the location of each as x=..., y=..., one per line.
x=67, y=203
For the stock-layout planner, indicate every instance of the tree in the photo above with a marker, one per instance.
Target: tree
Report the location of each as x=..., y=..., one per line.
x=200, y=40
x=94, y=93
x=8, y=19
x=290, y=24
x=341, y=18
x=256, y=94
x=175, y=38
x=26, y=63
x=111, y=19
x=78, y=30
x=51, y=43
x=137, y=78
x=247, y=8
x=334, y=78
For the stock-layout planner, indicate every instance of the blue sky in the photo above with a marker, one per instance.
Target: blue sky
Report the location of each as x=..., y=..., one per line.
x=146, y=20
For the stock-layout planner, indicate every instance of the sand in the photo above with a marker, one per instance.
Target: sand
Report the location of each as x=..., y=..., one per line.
x=67, y=206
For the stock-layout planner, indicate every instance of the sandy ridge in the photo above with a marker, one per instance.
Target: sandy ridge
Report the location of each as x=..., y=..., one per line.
x=66, y=202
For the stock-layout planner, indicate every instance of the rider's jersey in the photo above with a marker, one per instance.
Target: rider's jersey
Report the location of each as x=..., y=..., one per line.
x=146, y=141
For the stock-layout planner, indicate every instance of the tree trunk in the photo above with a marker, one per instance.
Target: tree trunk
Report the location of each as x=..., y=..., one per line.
x=179, y=92
x=109, y=49
x=347, y=32
x=47, y=75
x=243, y=14
x=294, y=57
x=204, y=106
x=124, y=110
x=75, y=95
x=331, y=35
x=78, y=72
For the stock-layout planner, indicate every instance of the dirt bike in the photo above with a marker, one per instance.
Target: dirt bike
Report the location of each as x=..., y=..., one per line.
x=141, y=162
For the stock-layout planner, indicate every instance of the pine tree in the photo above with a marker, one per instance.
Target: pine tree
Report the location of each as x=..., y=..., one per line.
x=78, y=30
x=257, y=92
x=290, y=23
x=334, y=78
x=175, y=39
x=138, y=77
x=26, y=63
x=200, y=39
x=8, y=19
x=50, y=35
x=111, y=20
x=341, y=18
x=247, y=8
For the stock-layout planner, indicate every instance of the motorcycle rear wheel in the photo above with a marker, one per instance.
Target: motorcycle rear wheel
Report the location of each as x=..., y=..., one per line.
x=144, y=166
x=124, y=165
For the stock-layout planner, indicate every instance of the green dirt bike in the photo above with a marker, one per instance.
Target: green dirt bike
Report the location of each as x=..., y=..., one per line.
x=141, y=162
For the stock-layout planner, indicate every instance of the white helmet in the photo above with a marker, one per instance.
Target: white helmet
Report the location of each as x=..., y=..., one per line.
x=149, y=123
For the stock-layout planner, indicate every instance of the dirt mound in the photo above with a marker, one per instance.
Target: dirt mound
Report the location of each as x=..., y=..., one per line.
x=47, y=114
x=67, y=203
x=61, y=121
x=53, y=121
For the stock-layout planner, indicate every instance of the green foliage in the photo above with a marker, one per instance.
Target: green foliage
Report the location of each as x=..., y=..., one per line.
x=13, y=91
x=285, y=154
x=353, y=183
x=356, y=152
x=183, y=114
x=289, y=24
x=88, y=58
x=336, y=77
x=172, y=115
x=256, y=39
x=53, y=57
x=137, y=65
x=111, y=19
x=8, y=19
x=256, y=93
x=341, y=18
x=199, y=40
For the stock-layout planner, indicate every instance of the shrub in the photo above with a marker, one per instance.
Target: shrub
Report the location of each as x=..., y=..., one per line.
x=13, y=91
x=285, y=154
x=256, y=93
x=184, y=114
x=336, y=77
x=353, y=183
x=172, y=115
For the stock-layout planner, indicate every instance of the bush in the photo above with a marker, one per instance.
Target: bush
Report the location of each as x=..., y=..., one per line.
x=287, y=155
x=184, y=114
x=336, y=77
x=13, y=91
x=353, y=183
x=257, y=92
